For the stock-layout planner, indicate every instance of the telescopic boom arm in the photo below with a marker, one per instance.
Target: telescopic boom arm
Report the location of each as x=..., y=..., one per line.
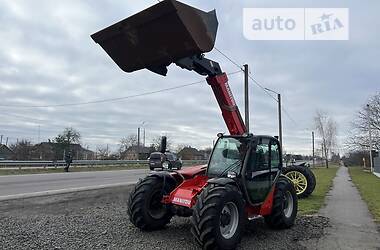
x=218, y=81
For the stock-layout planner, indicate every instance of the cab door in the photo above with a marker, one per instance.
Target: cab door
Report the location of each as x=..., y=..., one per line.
x=263, y=165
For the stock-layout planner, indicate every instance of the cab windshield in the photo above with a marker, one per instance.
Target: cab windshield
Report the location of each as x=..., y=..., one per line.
x=227, y=156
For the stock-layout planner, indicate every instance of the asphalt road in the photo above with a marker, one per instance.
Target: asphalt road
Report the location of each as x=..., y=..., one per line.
x=19, y=186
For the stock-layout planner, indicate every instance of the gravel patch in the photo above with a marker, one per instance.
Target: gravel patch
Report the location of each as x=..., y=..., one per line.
x=98, y=220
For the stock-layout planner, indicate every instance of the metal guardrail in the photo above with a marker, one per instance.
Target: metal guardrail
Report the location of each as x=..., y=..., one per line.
x=90, y=163
x=95, y=163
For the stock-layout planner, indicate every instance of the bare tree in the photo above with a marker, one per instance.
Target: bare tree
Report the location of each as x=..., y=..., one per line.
x=63, y=141
x=358, y=140
x=326, y=129
x=157, y=143
x=22, y=150
x=179, y=147
x=128, y=141
x=68, y=136
x=102, y=152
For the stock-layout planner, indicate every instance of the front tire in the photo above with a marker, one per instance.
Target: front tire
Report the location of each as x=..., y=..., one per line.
x=145, y=209
x=285, y=205
x=218, y=217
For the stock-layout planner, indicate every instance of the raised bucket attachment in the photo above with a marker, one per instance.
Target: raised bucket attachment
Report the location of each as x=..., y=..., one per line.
x=159, y=36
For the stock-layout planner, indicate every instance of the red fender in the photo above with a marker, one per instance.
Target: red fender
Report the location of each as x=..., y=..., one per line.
x=185, y=194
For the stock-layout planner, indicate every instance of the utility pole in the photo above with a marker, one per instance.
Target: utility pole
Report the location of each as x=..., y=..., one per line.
x=279, y=116
x=370, y=138
x=144, y=139
x=6, y=142
x=279, y=119
x=138, y=143
x=312, y=136
x=1, y=139
x=246, y=97
x=39, y=133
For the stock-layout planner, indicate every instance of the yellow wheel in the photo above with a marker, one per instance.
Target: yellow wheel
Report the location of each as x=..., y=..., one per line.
x=299, y=181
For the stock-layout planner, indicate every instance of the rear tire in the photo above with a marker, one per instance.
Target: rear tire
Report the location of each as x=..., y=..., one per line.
x=218, y=217
x=301, y=176
x=145, y=209
x=285, y=205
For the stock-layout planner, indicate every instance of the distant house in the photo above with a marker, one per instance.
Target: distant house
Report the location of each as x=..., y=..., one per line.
x=5, y=152
x=206, y=153
x=54, y=151
x=136, y=153
x=190, y=153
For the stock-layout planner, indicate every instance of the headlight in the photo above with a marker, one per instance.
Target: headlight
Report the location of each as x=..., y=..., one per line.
x=165, y=164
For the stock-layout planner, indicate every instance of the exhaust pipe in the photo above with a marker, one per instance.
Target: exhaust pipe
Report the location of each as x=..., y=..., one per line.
x=163, y=144
x=158, y=36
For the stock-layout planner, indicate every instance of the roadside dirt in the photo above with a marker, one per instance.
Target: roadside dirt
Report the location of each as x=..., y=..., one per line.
x=98, y=220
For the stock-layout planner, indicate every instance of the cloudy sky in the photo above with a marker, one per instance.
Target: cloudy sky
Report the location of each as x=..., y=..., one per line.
x=47, y=58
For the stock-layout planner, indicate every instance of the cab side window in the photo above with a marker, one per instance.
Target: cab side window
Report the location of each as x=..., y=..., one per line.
x=262, y=156
x=275, y=155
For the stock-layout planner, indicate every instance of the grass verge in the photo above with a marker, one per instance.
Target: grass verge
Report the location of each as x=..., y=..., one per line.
x=72, y=169
x=316, y=200
x=368, y=186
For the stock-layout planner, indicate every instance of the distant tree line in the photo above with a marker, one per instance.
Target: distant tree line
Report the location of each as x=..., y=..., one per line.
x=368, y=117
x=54, y=149
x=69, y=141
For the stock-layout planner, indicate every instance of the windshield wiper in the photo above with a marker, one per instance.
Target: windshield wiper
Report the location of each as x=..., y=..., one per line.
x=232, y=166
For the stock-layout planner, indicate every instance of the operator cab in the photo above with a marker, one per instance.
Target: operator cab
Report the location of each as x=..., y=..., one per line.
x=254, y=161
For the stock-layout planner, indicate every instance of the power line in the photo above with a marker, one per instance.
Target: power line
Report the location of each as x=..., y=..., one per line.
x=261, y=86
x=249, y=74
x=110, y=99
x=256, y=82
x=23, y=117
x=229, y=59
x=288, y=115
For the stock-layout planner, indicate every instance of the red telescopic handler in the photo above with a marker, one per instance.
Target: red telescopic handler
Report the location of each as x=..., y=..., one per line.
x=243, y=178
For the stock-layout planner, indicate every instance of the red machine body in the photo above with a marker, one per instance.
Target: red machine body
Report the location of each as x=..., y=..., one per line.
x=227, y=104
x=195, y=178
